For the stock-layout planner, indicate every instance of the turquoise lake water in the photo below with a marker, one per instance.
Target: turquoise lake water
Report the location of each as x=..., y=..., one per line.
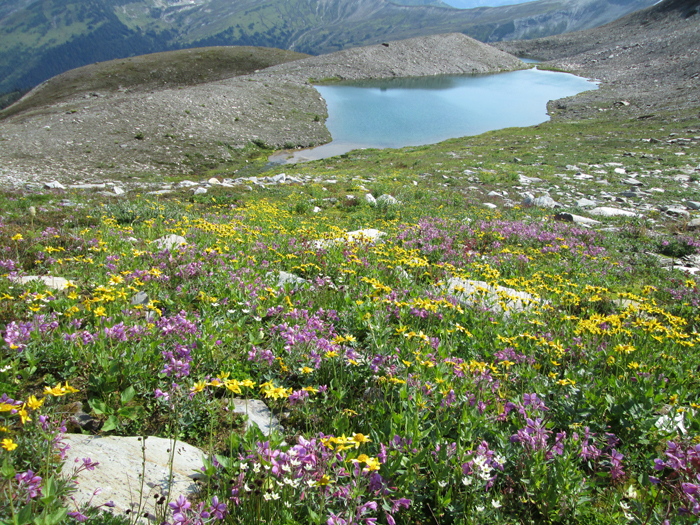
x=413, y=111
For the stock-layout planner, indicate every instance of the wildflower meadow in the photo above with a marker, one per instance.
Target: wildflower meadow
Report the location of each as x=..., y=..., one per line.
x=407, y=390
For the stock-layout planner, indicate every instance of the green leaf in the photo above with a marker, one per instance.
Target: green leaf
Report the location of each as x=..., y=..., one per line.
x=128, y=395
x=7, y=470
x=111, y=423
x=24, y=515
x=132, y=413
x=99, y=406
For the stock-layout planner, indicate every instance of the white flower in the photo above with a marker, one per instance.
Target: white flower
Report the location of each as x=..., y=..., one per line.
x=479, y=508
x=275, y=496
x=256, y=468
x=496, y=504
x=442, y=484
x=624, y=505
x=467, y=481
x=288, y=504
x=244, y=466
x=267, y=496
x=247, y=488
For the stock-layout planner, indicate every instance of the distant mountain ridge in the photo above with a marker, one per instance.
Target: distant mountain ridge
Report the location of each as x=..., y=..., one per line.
x=42, y=38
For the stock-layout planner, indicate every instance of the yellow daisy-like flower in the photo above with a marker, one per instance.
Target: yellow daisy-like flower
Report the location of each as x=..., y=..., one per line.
x=198, y=387
x=359, y=439
x=234, y=386
x=17, y=237
x=23, y=415
x=7, y=444
x=306, y=370
x=247, y=383
x=33, y=403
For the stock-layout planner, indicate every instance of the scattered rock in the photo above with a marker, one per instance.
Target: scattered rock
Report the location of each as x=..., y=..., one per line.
x=490, y=205
x=167, y=242
x=693, y=225
x=578, y=219
x=675, y=211
x=118, y=191
x=214, y=181
x=140, y=299
x=605, y=211
x=120, y=465
x=281, y=178
x=56, y=283
x=495, y=298
x=692, y=205
x=585, y=203
x=367, y=235
x=54, y=185
x=540, y=202
x=200, y=191
x=316, y=209
x=258, y=414
x=369, y=198
x=284, y=278
x=387, y=200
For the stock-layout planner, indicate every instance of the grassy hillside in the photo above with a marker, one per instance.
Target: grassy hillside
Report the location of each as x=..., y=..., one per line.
x=169, y=69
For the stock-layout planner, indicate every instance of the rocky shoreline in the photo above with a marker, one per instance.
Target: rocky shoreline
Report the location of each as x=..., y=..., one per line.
x=164, y=132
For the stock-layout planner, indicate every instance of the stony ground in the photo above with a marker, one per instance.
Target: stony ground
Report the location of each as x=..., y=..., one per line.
x=168, y=131
x=647, y=61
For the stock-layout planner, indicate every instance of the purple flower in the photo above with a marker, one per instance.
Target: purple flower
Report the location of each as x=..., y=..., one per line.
x=29, y=484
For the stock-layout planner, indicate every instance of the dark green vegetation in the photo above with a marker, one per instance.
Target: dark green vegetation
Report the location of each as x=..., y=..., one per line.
x=50, y=36
x=165, y=70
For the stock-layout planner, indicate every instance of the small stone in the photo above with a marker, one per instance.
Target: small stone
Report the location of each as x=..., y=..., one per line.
x=621, y=171
x=167, y=242
x=281, y=178
x=54, y=185
x=369, y=199
x=387, y=200
x=213, y=181
x=285, y=278
x=692, y=205
x=316, y=210
x=186, y=184
x=633, y=182
x=677, y=212
x=118, y=191
x=200, y=191
x=141, y=298
x=585, y=203
x=490, y=205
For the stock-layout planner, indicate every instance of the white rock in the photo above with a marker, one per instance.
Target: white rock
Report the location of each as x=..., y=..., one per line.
x=167, y=242
x=490, y=205
x=118, y=191
x=258, y=414
x=56, y=283
x=281, y=178
x=605, y=211
x=120, y=465
x=677, y=212
x=284, y=278
x=621, y=171
x=186, y=184
x=367, y=235
x=316, y=209
x=214, y=181
x=54, y=185
x=692, y=205
x=496, y=298
x=87, y=186
x=369, y=198
x=577, y=219
x=585, y=203
x=694, y=224
x=200, y=191
x=387, y=200
x=528, y=180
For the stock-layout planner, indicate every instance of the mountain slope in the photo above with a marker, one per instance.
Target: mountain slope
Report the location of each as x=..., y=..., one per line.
x=42, y=38
x=648, y=59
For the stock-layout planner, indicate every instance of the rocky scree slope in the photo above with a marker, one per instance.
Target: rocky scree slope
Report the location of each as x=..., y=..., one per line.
x=110, y=131
x=647, y=61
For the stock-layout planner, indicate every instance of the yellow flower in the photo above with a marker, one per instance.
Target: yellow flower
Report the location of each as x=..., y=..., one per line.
x=7, y=444
x=359, y=439
x=23, y=414
x=6, y=407
x=325, y=480
x=611, y=360
x=17, y=237
x=59, y=390
x=247, y=383
x=198, y=387
x=310, y=389
x=306, y=370
x=100, y=311
x=234, y=386
x=372, y=465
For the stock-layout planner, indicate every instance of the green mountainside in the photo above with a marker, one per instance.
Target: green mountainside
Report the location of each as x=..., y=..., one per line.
x=43, y=38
